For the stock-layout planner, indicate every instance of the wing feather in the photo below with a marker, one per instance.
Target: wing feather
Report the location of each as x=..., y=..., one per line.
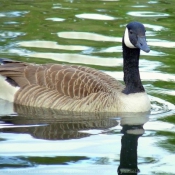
x=53, y=84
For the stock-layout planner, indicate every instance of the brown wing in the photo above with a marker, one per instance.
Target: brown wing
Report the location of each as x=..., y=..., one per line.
x=43, y=85
x=110, y=81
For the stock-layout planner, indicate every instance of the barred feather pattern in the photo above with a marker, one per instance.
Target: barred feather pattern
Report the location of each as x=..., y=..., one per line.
x=63, y=87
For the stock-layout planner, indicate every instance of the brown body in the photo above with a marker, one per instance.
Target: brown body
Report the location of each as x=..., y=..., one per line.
x=63, y=87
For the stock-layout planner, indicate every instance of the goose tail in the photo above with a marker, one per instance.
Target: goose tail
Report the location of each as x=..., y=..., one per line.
x=2, y=61
x=7, y=87
x=6, y=60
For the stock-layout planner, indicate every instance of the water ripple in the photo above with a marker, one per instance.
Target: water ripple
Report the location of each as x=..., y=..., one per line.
x=147, y=14
x=95, y=16
x=51, y=45
x=88, y=36
x=139, y=6
x=161, y=43
x=13, y=14
x=152, y=2
x=55, y=19
x=78, y=58
x=161, y=108
x=157, y=90
x=59, y=6
x=109, y=0
x=11, y=22
x=147, y=76
x=155, y=27
x=9, y=34
x=119, y=49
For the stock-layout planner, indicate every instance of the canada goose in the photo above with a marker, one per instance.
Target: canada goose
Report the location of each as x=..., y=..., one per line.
x=78, y=88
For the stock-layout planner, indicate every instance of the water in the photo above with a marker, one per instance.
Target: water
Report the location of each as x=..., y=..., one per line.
x=89, y=33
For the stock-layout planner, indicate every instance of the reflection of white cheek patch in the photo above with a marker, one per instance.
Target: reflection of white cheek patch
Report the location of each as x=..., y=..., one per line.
x=127, y=40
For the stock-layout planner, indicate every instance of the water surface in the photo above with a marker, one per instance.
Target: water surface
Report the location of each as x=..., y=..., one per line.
x=89, y=33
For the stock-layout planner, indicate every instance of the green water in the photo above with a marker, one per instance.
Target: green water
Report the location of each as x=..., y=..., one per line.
x=89, y=33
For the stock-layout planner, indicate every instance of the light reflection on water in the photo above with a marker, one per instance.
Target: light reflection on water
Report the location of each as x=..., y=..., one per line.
x=87, y=59
x=9, y=34
x=147, y=14
x=155, y=27
x=88, y=36
x=95, y=16
x=51, y=45
x=14, y=14
x=78, y=58
x=55, y=45
x=147, y=76
x=55, y=19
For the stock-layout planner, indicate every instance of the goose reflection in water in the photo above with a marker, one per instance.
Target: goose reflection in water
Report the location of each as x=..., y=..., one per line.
x=132, y=129
x=59, y=125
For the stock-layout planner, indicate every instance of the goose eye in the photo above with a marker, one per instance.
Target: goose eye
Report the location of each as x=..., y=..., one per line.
x=130, y=31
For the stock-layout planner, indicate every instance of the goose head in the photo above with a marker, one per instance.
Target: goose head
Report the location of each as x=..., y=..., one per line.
x=134, y=36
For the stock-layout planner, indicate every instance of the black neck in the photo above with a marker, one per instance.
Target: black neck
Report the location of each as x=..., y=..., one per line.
x=131, y=70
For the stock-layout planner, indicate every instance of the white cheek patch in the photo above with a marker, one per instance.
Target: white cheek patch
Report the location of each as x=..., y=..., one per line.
x=127, y=40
